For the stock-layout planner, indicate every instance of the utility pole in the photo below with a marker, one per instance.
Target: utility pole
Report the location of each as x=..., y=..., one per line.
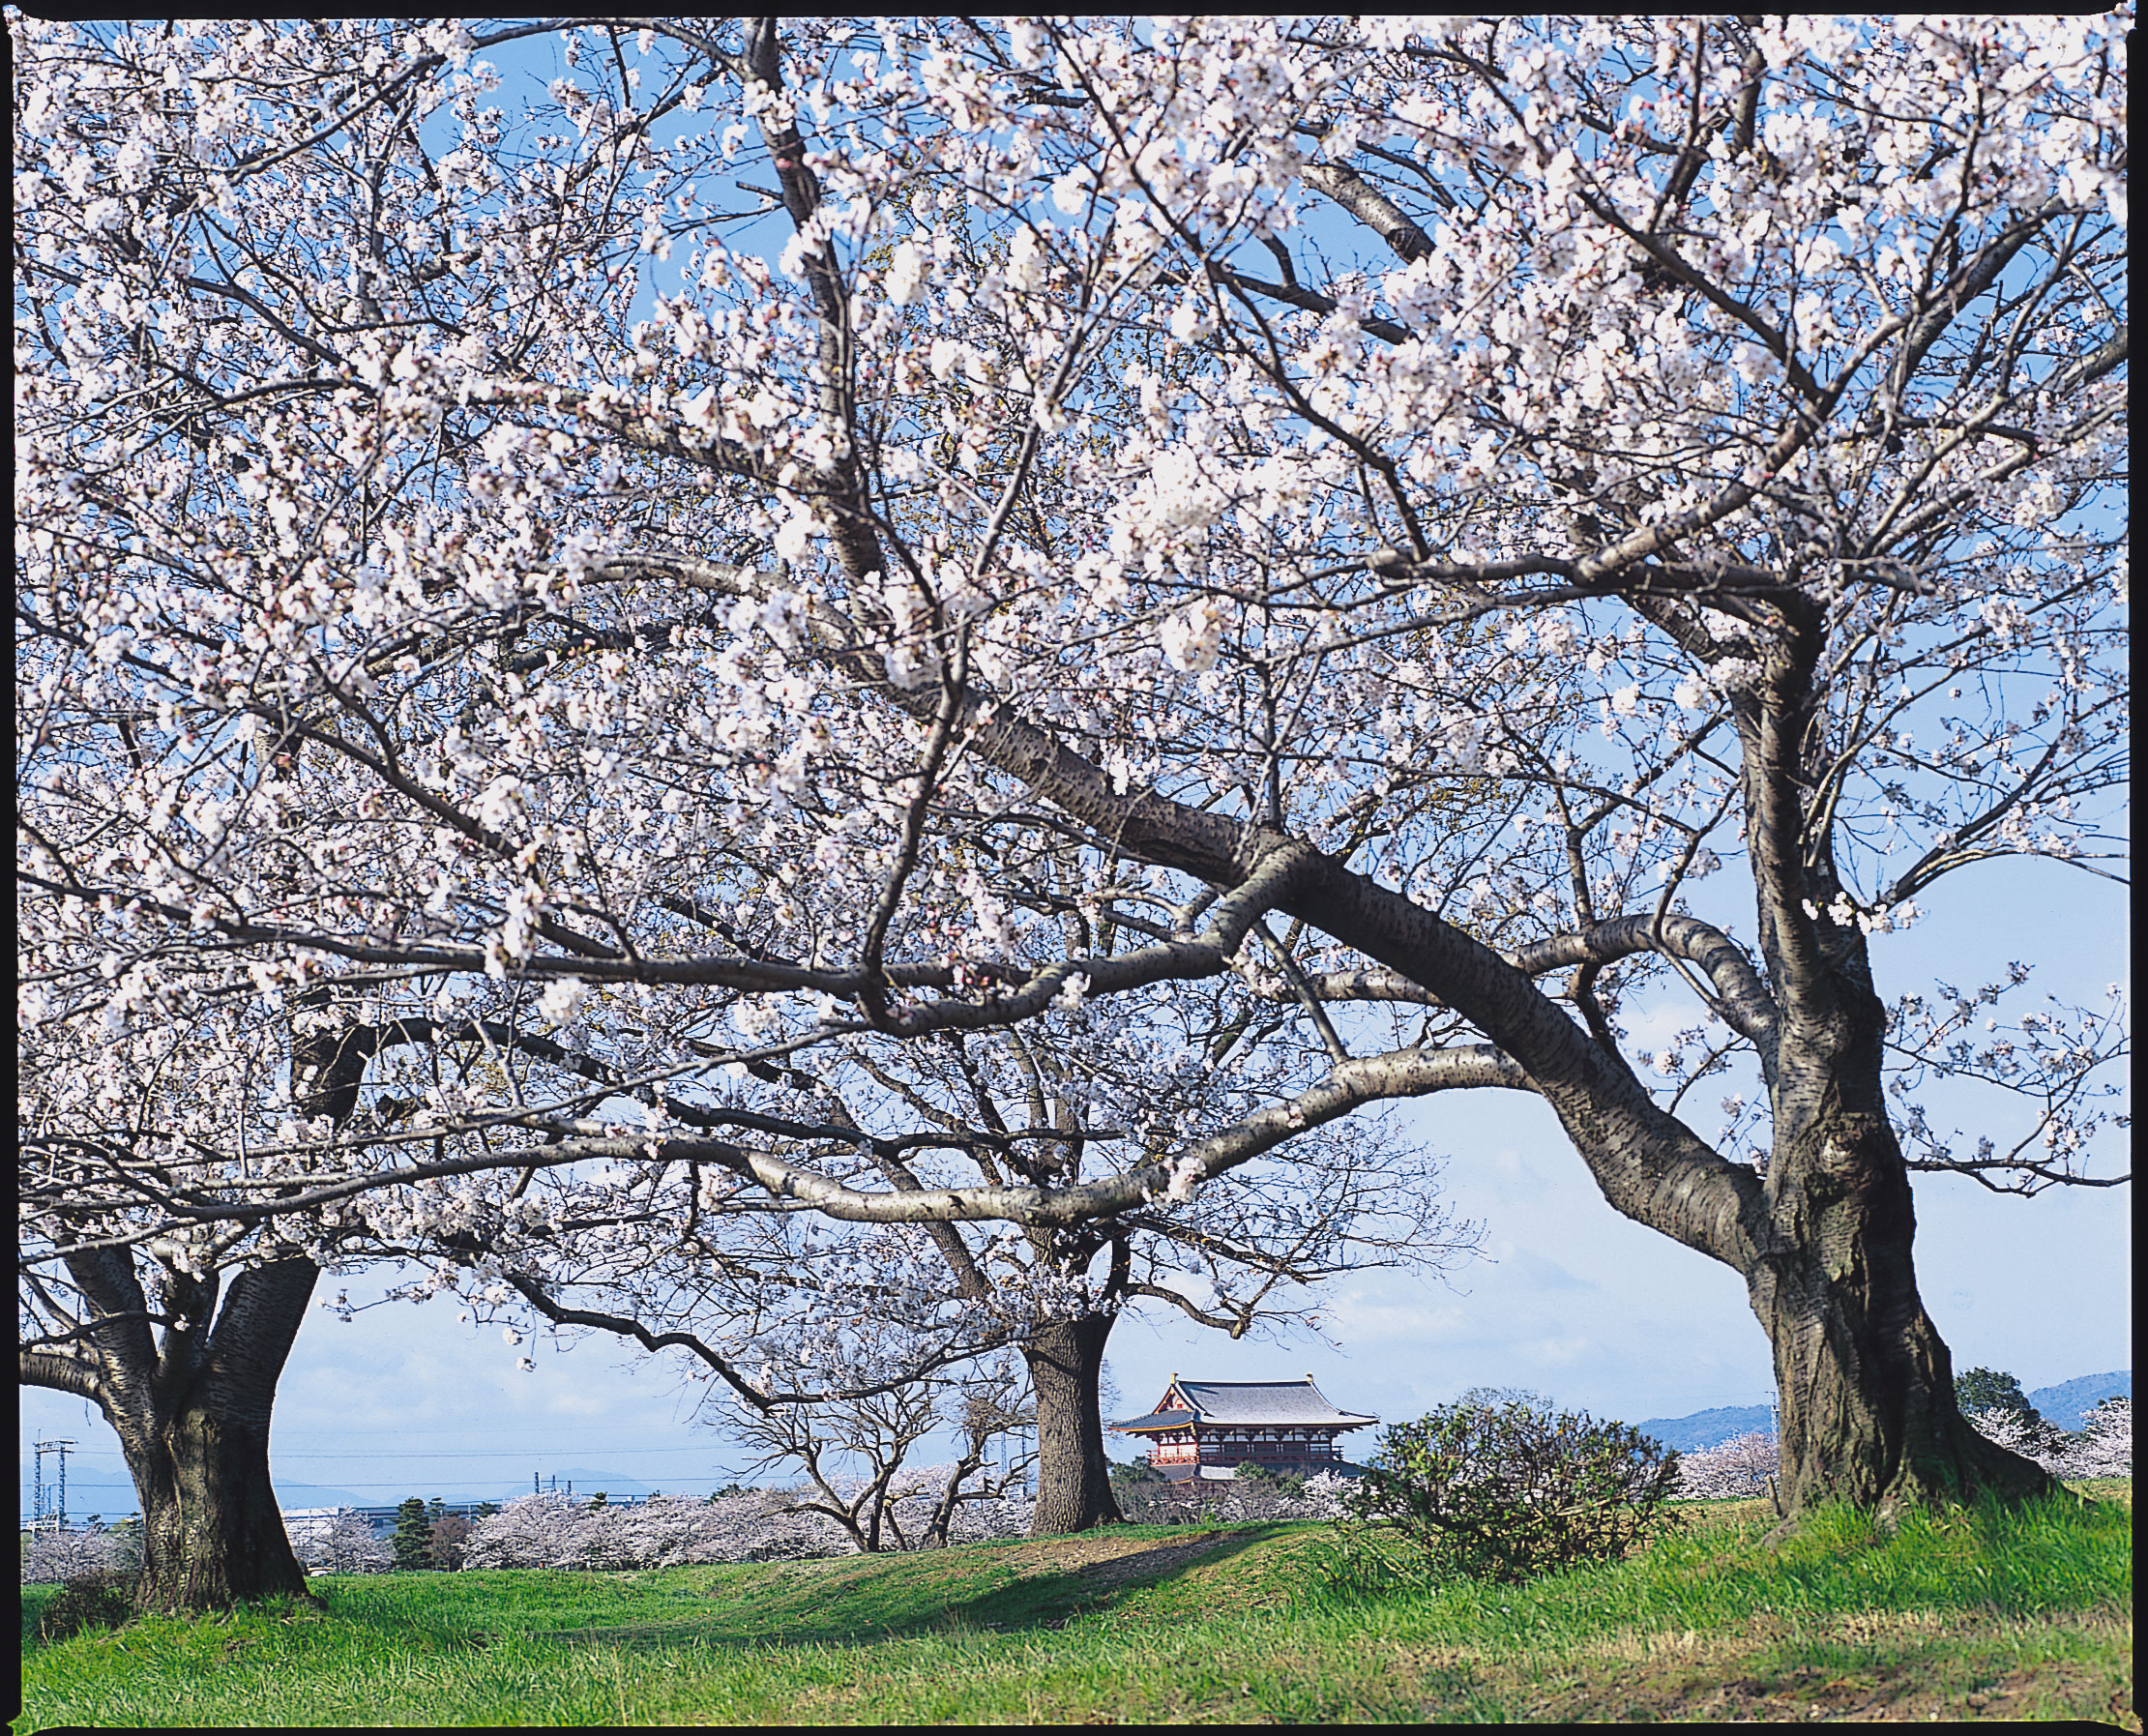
x=37, y=1509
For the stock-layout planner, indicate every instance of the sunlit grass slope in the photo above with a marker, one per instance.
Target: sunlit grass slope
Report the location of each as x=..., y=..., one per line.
x=1983, y=1614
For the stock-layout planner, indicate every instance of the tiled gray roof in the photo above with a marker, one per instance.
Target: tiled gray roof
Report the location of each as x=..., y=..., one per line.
x=1248, y=1402
x=1157, y=1419
x=1263, y=1401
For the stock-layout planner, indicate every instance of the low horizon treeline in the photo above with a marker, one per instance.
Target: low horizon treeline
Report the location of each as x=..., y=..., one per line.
x=554, y=1531
x=561, y=1531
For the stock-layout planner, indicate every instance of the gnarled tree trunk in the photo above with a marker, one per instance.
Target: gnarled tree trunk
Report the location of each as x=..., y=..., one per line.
x=1073, y=1476
x=1866, y=1383
x=192, y=1420
x=211, y=1531
x=1866, y=1386
x=190, y=1403
x=1823, y=1241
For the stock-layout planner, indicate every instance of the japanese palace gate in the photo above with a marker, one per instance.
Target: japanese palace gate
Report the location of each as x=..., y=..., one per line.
x=1209, y=1428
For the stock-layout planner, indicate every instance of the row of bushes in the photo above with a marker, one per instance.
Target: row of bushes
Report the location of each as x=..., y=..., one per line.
x=1255, y=1493
x=552, y=1530
x=561, y=1532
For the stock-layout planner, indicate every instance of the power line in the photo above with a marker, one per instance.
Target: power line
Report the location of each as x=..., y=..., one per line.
x=404, y=1434
x=513, y=1452
x=408, y=1433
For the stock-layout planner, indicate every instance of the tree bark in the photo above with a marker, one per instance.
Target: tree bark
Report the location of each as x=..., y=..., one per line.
x=192, y=1420
x=1073, y=1476
x=1867, y=1409
x=212, y=1533
x=1867, y=1385
x=212, y=1530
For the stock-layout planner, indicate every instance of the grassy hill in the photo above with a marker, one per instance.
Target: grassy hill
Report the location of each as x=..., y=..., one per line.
x=1992, y=1614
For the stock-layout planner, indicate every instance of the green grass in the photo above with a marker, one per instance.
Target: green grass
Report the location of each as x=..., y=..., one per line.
x=1991, y=1612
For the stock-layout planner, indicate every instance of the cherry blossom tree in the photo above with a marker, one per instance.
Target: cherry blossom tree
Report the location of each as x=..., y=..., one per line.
x=340, y=1541
x=1239, y=1256
x=757, y=1299
x=856, y=1451
x=561, y=1532
x=2105, y=1447
x=52, y=1556
x=262, y=1074
x=898, y=530
x=1743, y=1466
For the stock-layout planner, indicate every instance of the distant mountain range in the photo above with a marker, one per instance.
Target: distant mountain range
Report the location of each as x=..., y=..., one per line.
x=2067, y=1405
x=1709, y=1427
x=2063, y=1407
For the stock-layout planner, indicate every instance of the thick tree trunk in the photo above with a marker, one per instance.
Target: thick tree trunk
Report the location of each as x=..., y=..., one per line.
x=195, y=1428
x=1867, y=1385
x=211, y=1531
x=1824, y=1241
x=1073, y=1476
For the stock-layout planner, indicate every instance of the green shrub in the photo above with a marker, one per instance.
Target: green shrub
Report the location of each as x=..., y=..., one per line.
x=93, y=1601
x=1500, y=1486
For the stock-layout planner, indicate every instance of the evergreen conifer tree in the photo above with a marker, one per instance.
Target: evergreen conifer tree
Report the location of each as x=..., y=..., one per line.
x=1992, y=1389
x=413, y=1539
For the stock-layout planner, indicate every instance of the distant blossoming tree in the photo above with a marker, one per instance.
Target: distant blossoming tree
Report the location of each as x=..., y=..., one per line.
x=565, y=1533
x=855, y=1452
x=558, y=1531
x=2105, y=1447
x=52, y=1555
x=1742, y=1466
x=1325, y=535
x=341, y=1541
